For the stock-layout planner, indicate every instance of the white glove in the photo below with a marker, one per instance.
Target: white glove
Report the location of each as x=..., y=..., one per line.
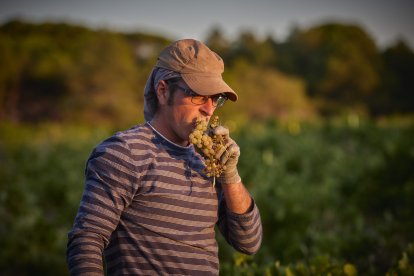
x=228, y=156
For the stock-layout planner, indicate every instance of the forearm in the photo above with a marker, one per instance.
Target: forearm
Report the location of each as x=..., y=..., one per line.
x=84, y=254
x=239, y=220
x=238, y=199
x=239, y=217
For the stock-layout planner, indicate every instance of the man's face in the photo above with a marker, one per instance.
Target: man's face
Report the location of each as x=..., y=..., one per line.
x=181, y=113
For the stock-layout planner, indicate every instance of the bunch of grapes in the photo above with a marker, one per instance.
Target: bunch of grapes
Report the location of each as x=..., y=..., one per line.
x=208, y=144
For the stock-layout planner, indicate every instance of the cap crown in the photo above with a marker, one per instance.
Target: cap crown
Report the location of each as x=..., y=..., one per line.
x=189, y=56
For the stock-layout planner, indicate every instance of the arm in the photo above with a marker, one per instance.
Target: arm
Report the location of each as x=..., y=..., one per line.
x=241, y=227
x=238, y=199
x=239, y=217
x=109, y=181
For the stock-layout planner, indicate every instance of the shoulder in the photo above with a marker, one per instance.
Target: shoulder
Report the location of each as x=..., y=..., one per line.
x=125, y=145
x=136, y=145
x=127, y=139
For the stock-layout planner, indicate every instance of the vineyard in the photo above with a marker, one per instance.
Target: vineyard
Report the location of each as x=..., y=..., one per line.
x=335, y=198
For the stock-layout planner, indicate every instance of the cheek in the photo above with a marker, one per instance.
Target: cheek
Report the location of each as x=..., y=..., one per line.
x=184, y=121
x=183, y=110
x=184, y=114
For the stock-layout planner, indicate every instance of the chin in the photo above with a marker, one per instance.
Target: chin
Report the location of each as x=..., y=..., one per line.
x=186, y=135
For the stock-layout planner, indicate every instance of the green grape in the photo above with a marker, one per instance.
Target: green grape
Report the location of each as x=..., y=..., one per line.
x=207, y=144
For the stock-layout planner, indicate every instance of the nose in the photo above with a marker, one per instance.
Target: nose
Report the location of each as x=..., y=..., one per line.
x=208, y=108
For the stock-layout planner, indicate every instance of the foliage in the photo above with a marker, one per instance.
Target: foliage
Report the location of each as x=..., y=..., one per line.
x=334, y=197
x=340, y=191
x=404, y=265
x=397, y=79
x=65, y=73
x=54, y=69
x=340, y=63
x=321, y=265
x=278, y=95
x=41, y=184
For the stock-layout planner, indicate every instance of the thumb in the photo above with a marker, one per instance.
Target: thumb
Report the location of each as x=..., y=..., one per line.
x=220, y=130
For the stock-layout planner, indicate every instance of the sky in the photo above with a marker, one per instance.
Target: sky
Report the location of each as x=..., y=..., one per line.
x=384, y=20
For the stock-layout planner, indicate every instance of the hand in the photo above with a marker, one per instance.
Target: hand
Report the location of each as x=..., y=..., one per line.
x=228, y=156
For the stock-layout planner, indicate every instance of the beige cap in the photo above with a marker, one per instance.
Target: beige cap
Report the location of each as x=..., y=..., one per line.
x=200, y=67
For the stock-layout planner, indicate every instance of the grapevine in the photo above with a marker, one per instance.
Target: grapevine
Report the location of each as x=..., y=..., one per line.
x=208, y=144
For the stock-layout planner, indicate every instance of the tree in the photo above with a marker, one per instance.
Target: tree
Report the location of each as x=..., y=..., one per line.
x=217, y=42
x=397, y=80
x=340, y=64
x=266, y=93
x=103, y=83
x=60, y=72
x=37, y=59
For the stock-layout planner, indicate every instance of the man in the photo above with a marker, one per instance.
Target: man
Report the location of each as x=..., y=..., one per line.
x=147, y=205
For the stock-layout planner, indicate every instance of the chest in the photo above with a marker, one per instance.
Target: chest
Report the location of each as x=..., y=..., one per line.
x=173, y=190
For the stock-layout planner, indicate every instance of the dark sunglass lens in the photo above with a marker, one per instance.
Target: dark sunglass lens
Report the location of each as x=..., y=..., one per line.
x=219, y=100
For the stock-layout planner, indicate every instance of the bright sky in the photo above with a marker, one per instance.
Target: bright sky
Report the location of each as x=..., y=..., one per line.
x=384, y=20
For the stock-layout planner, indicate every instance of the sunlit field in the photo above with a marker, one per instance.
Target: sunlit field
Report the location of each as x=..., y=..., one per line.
x=334, y=197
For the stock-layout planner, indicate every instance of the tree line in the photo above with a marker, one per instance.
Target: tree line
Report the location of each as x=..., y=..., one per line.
x=61, y=72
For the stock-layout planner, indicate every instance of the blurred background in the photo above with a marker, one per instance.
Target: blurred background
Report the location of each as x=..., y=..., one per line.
x=324, y=120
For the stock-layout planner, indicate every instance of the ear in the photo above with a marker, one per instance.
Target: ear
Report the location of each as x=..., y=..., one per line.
x=163, y=92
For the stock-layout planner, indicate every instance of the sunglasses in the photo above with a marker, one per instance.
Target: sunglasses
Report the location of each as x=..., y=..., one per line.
x=218, y=100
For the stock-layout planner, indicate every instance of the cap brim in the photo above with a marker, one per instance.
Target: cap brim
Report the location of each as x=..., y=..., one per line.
x=209, y=85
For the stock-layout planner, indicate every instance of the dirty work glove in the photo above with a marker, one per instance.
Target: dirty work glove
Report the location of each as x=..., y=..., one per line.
x=228, y=156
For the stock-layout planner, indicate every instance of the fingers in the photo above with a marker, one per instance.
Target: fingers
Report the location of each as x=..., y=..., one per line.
x=230, y=151
x=224, y=148
x=220, y=152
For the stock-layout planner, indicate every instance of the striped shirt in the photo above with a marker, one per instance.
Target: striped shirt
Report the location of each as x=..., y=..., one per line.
x=149, y=210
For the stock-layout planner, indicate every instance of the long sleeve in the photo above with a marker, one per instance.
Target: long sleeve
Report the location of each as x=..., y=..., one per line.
x=110, y=183
x=242, y=231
